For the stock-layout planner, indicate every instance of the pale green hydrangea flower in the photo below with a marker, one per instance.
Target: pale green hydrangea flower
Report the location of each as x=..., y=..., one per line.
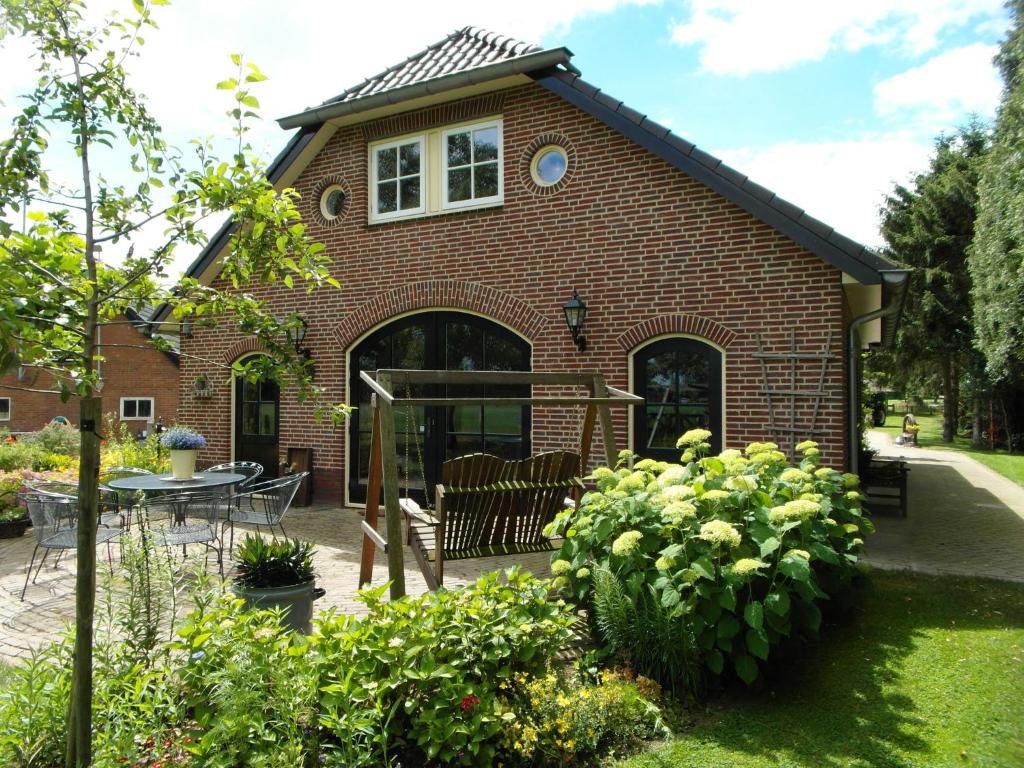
x=582, y=573
x=824, y=473
x=720, y=533
x=678, y=511
x=690, y=576
x=799, y=553
x=676, y=493
x=853, y=495
x=633, y=483
x=742, y=483
x=560, y=566
x=851, y=481
x=794, y=475
x=694, y=438
x=560, y=583
x=755, y=448
x=817, y=497
x=548, y=531
x=672, y=476
x=664, y=563
x=768, y=457
x=715, y=495
x=807, y=445
x=798, y=509
x=747, y=565
x=857, y=542
x=626, y=543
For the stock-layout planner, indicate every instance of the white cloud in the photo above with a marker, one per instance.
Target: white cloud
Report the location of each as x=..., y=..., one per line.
x=739, y=37
x=946, y=86
x=842, y=183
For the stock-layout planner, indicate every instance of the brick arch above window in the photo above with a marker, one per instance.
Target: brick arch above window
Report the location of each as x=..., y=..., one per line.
x=693, y=325
x=442, y=294
x=241, y=348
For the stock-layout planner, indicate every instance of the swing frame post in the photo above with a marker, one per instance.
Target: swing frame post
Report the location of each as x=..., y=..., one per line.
x=384, y=446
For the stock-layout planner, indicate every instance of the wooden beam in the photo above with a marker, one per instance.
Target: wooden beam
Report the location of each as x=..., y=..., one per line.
x=581, y=379
x=376, y=387
x=607, y=431
x=372, y=497
x=392, y=512
x=543, y=400
x=374, y=534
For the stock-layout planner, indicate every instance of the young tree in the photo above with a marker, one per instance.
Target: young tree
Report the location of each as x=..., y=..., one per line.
x=929, y=226
x=996, y=257
x=56, y=293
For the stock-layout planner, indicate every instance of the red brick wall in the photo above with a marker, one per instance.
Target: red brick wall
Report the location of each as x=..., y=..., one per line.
x=127, y=372
x=650, y=250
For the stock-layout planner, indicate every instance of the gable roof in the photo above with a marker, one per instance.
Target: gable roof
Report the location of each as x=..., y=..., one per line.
x=465, y=57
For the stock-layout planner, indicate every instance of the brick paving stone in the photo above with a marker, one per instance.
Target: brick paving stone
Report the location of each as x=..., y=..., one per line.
x=49, y=603
x=962, y=518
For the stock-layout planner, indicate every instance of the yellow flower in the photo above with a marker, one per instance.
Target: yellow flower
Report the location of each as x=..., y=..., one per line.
x=626, y=543
x=695, y=437
x=720, y=533
x=560, y=566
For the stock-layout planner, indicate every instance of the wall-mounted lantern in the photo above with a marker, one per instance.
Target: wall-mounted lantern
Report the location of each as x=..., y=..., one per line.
x=575, y=312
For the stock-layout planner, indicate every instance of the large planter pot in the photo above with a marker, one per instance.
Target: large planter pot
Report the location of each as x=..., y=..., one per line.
x=183, y=464
x=13, y=529
x=296, y=599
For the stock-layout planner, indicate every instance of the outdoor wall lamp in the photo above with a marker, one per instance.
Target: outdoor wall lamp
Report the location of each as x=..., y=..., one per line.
x=297, y=336
x=575, y=312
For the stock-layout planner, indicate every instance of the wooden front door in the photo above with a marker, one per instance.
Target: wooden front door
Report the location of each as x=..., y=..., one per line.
x=257, y=408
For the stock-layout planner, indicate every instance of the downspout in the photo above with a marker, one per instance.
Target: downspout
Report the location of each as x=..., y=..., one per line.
x=897, y=279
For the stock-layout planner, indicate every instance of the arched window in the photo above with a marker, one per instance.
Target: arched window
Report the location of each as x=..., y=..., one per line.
x=681, y=381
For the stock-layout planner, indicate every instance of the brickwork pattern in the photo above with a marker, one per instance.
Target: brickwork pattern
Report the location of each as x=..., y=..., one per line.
x=642, y=242
x=132, y=368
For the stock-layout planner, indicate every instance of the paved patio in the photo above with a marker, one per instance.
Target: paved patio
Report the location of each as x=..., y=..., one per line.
x=50, y=602
x=963, y=518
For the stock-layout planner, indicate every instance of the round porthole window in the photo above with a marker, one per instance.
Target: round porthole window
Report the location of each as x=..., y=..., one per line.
x=548, y=165
x=332, y=202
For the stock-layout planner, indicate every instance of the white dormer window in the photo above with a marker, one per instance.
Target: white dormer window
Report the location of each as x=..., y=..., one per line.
x=397, y=175
x=449, y=168
x=472, y=165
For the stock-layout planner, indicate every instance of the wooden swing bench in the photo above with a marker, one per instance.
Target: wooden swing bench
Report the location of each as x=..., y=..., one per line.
x=485, y=506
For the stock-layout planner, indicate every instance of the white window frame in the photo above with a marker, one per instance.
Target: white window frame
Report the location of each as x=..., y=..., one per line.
x=472, y=202
x=8, y=416
x=376, y=215
x=137, y=400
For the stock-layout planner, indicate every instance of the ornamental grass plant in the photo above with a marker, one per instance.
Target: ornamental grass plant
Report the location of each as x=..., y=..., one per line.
x=703, y=569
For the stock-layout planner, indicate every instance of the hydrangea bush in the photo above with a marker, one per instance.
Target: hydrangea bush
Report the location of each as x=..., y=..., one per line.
x=731, y=554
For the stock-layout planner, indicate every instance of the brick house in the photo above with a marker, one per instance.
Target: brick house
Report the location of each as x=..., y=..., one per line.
x=140, y=384
x=465, y=194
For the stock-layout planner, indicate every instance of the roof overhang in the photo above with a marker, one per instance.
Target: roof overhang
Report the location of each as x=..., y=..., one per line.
x=521, y=65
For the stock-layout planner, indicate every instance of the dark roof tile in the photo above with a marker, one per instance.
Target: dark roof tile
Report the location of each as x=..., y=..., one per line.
x=820, y=228
x=463, y=49
x=763, y=194
x=730, y=173
x=679, y=143
x=605, y=100
x=630, y=114
x=704, y=158
x=656, y=128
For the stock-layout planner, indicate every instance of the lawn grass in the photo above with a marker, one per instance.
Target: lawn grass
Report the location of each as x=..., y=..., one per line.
x=927, y=671
x=1009, y=465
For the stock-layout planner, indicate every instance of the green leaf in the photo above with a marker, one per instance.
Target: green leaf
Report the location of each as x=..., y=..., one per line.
x=746, y=668
x=704, y=567
x=754, y=614
x=757, y=643
x=728, y=627
x=715, y=661
x=670, y=598
x=769, y=545
x=824, y=553
x=727, y=599
x=236, y=59
x=227, y=85
x=795, y=567
x=777, y=602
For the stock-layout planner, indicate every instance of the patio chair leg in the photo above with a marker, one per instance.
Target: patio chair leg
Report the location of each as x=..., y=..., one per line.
x=41, y=561
x=281, y=526
x=56, y=562
x=29, y=572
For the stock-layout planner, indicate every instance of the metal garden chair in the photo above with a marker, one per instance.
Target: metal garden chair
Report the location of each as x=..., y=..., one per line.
x=180, y=519
x=55, y=522
x=123, y=502
x=251, y=469
x=264, y=504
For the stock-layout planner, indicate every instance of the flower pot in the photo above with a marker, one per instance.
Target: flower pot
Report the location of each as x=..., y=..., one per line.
x=297, y=600
x=13, y=529
x=183, y=464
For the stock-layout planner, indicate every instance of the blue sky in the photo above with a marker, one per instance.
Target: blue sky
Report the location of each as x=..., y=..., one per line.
x=826, y=102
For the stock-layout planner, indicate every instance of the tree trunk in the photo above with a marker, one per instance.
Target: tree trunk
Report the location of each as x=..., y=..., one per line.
x=79, y=752
x=976, y=422
x=949, y=400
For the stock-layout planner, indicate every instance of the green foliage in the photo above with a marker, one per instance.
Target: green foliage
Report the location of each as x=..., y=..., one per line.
x=55, y=438
x=997, y=254
x=431, y=665
x=123, y=449
x=562, y=721
x=729, y=554
x=276, y=563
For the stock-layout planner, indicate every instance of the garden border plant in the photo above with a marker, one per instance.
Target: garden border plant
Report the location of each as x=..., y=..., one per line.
x=698, y=570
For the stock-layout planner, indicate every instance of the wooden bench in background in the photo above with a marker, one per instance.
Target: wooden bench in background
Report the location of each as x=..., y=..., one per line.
x=884, y=483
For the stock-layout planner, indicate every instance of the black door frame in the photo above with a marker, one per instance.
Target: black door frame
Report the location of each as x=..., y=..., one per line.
x=716, y=419
x=435, y=428
x=272, y=470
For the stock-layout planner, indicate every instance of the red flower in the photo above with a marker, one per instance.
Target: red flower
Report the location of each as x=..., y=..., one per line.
x=468, y=702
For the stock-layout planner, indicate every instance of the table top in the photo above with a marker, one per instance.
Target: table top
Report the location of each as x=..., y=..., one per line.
x=200, y=480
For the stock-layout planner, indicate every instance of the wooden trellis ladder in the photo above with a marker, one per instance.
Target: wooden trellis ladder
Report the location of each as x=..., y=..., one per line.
x=789, y=434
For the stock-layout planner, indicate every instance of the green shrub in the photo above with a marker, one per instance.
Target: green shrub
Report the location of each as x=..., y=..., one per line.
x=432, y=664
x=560, y=721
x=123, y=449
x=734, y=551
x=62, y=439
